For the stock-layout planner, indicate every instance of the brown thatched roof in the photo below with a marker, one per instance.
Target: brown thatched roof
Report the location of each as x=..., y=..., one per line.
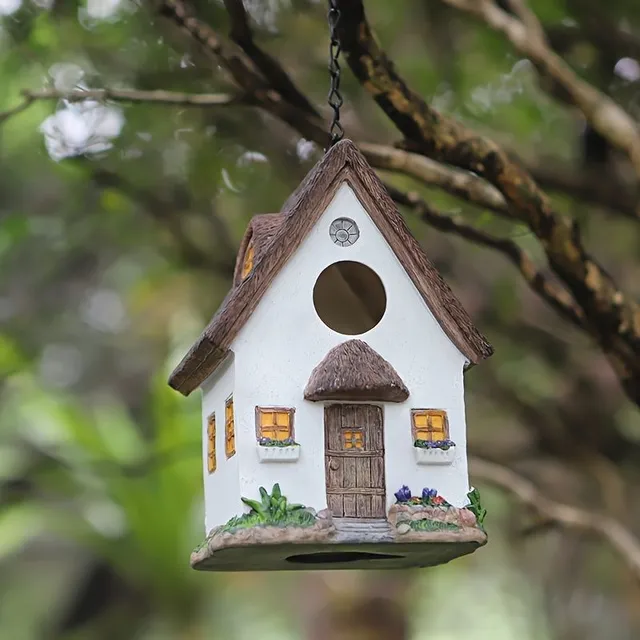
x=354, y=371
x=342, y=163
x=259, y=233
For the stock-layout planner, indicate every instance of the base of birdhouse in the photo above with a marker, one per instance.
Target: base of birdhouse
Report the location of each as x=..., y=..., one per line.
x=345, y=543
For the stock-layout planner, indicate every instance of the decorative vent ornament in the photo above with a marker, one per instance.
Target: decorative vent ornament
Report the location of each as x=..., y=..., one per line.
x=344, y=232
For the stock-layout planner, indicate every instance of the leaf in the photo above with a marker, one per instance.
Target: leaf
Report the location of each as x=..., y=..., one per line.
x=275, y=492
x=254, y=505
x=265, y=499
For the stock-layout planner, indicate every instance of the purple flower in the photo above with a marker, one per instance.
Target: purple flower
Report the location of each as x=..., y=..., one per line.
x=429, y=494
x=403, y=494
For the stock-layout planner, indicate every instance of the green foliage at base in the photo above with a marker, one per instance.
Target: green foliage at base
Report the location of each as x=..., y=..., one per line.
x=272, y=510
x=475, y=507
x=433, y=525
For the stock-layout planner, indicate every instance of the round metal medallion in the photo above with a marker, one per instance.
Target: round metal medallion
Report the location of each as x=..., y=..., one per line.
x=344, y=232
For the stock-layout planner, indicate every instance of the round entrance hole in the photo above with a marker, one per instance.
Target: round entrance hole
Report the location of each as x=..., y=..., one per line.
x=349, y=297
x=335, y=557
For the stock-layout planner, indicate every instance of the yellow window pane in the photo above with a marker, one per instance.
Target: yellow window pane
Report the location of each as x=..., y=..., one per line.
x=420, y=419
x=282, y=418
x=267, y=418
x=437, y=421
x=211, y=443
x=275, y=423
x=230, y=443
x=352, y=439
x=423, y=434
x=247, y=265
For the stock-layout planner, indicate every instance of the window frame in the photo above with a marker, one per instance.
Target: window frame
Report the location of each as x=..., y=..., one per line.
x=212, y=461
x=289, y=410
x=428, y=413
x=229, y=428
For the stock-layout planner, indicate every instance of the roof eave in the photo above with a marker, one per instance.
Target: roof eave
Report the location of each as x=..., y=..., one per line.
x=197, y=365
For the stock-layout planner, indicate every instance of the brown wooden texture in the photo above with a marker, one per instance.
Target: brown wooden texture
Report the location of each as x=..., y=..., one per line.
x=343, y=163
x=258, y=235
x=354, y=371
x=354, y=460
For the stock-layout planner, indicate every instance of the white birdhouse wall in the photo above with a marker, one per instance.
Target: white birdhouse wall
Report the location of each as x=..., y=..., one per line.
x=221, y=473
x=285, y=339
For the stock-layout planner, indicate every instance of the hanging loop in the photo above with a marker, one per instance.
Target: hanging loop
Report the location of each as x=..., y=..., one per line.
x=335, y=98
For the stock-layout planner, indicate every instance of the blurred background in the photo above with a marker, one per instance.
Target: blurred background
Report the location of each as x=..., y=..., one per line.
x=119, y=224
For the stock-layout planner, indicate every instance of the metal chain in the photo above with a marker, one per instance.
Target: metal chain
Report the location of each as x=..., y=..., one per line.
x=335, y=99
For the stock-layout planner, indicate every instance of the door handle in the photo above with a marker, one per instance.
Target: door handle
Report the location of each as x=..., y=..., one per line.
x=334, y=464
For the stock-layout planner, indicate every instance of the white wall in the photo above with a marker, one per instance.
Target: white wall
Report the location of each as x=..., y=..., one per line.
x=221, y=488
x=284, y=340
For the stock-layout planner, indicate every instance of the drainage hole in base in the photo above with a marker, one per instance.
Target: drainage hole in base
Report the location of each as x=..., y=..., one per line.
x=328, y=557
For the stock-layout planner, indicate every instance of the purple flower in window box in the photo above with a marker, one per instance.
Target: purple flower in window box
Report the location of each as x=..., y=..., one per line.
x=445, y=445
x=403, y=494
x=270, y=442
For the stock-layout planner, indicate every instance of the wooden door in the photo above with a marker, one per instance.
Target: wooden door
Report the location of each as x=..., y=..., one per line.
x=354, y=460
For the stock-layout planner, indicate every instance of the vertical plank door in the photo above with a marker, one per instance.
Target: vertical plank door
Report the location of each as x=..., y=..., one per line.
x=354, y=460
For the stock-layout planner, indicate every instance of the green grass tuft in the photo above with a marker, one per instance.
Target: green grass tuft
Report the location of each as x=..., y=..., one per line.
x=273, y=510
x=433, y=525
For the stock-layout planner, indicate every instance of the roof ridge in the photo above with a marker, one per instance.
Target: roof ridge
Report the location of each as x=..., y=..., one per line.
x=341, y=163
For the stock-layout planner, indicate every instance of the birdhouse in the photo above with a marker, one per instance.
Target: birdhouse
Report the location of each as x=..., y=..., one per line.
x=333, y=419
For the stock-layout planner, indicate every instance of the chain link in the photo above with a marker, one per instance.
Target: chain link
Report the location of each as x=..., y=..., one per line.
x=335, y=99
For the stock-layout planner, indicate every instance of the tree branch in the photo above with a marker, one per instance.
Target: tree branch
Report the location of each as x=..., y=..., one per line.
x=125, y=95
x=25, y=104
x=133, y=95
x=241, y=69
x=602, y=191
x=621, y=539
x=271, y=69
x=610, y=120
x=219, y=259
x=555, y=296
x=610, y=317
x=461, y=184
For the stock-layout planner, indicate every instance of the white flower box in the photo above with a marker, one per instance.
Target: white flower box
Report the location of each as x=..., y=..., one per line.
x=434, y=456
x=279, y=454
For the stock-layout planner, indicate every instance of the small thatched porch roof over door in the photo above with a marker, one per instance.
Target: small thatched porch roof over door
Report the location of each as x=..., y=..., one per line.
x=354, y=371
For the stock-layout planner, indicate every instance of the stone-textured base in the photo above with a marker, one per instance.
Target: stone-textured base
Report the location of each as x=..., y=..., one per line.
x=337, y=544
x=296, y=557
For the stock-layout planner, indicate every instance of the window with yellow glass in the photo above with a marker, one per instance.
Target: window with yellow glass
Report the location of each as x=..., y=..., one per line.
x=247, y=264
x=211, y=443
x=229, y=428
x=353, y=439
x=274, y=423
x=431, y=425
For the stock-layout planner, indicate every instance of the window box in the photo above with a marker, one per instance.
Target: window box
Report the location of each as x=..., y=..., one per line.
x=278, y=454
x=434, y=455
